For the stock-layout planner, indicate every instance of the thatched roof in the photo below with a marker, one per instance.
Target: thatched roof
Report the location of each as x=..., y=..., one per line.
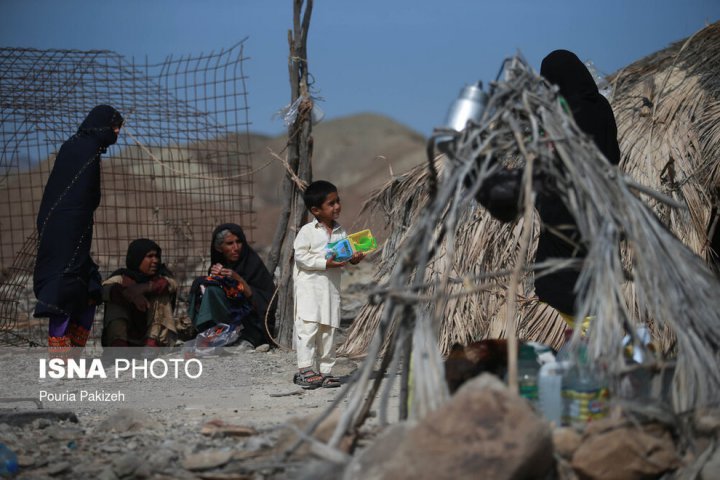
x=483, y=244
x=667, y=107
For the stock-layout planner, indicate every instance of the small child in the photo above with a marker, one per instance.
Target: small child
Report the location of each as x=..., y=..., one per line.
x=317, y=287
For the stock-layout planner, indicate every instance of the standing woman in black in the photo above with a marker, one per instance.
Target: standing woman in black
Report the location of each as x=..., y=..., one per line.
x=559, y=238
x=594, y=116
x=66, y=280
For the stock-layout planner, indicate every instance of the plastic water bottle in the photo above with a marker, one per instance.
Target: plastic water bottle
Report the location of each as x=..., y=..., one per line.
x=528, y=373
x=584, y=395
x=8, y=461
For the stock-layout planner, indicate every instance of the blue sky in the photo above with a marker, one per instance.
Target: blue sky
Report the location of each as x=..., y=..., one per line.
x=403, y=58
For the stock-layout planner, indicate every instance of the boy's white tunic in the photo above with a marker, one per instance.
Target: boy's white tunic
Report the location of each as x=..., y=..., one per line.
x=317, y=289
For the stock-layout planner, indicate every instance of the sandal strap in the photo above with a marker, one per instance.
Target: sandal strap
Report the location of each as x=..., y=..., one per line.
x=311, y=376
x=329, y=381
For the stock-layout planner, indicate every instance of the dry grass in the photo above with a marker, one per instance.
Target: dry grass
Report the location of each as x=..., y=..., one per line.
x=446, y=267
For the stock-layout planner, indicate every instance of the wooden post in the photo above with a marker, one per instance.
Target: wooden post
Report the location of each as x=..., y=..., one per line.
x=299, y=157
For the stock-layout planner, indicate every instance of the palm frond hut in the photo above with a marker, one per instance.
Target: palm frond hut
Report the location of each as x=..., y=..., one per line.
x=430, y=270
x=667, y=107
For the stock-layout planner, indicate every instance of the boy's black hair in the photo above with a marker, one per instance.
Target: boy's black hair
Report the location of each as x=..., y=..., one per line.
x=316, y=193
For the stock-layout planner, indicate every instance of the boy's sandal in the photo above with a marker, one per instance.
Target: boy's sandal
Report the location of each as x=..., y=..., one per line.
x=330, y=382
x=308, y=379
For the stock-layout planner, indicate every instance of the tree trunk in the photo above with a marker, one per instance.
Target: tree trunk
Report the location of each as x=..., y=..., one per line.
x=299, y=152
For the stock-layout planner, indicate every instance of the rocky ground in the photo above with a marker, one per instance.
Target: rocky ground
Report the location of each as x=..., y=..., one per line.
x=230, y=422
x=242, y=417
x=226, y=424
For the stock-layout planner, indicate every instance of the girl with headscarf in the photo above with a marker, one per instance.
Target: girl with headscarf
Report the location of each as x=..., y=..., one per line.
x=139, y=300
x=559, y=238
x=66, y=281
x=237, y=290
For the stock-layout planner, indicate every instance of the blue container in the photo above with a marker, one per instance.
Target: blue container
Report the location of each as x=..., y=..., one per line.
x=8, y=462
x=342, y=249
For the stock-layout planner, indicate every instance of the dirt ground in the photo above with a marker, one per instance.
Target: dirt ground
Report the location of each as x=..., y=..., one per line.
x=151, y=425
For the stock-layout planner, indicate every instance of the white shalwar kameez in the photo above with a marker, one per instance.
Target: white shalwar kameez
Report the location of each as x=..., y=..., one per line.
x=317, y=296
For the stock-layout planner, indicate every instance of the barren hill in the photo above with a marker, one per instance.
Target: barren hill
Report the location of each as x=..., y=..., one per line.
x=356, y=153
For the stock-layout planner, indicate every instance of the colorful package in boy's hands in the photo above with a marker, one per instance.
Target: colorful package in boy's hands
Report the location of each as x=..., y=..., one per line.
x=357, y=242
x=341, y=249
x=363, y=241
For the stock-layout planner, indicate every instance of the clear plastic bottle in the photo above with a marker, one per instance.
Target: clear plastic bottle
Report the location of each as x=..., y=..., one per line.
x=8, y=462
x=528, y=368
x=583, y=391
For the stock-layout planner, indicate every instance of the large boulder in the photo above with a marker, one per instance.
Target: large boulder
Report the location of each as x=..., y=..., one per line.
x=484, y=431
x=619, y=450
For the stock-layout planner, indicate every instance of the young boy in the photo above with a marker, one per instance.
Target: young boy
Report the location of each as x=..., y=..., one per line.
x=317, y=287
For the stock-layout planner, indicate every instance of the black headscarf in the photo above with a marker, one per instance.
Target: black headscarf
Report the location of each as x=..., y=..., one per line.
x=135, y=255
x=593, y=115
x=251, y=268
x=65, y=275
x=591, y=111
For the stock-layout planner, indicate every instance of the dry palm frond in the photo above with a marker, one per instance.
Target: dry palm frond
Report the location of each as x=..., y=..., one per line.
x=524, y=124
x=667, y=107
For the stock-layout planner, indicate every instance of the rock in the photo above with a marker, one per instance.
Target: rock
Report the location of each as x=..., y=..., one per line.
x=257, y=443
x=217, y=427
x=263, y=348
x=566, y=441
x=25, y=461
x=564, y=471
x=377, y=452
x=207, y=459
x=107, y=474
x=58, y=467
x=40, y=423
x=323, y=433
x=160, y=459
x=625, y=452
x=127, y=420
x=484, y=431
x=126, y=465
x=28, y=417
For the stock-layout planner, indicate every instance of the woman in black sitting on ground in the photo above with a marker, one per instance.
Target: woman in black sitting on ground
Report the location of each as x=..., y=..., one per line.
x=139, y=300
x=238, y=289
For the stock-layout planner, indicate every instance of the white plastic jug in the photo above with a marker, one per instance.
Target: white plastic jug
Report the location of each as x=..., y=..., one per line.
x=549, y=390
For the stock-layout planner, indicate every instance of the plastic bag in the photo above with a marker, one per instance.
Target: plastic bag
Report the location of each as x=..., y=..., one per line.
x=289, y=113
x=603, y=85
x=210, y=341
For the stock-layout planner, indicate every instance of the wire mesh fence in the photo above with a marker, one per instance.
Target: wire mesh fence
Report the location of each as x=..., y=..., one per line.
x=181, y=166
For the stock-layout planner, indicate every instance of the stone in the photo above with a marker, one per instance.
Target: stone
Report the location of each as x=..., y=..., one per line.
x=564, y=471
x=126, y=465
x=625, y=452
x=207, y=459
x=483, y=431
x=566, y=441
x=160, y=459
x=25, y=461
x=28, y=417
x=57, y=467
x=323, y=433
x=127, y=420
x=107, y=474
x=263, y=348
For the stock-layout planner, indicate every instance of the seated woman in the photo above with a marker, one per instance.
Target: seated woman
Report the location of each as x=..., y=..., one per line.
x=139, y=300
x=237, y=290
